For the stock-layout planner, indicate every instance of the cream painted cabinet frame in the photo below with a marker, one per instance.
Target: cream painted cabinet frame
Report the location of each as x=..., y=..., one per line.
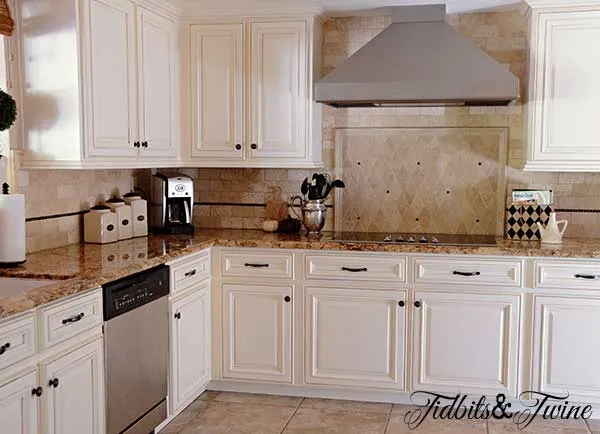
x=465, y=342
x=563, y=133
x=19, y=407
x=100, y=86
x=251, y=99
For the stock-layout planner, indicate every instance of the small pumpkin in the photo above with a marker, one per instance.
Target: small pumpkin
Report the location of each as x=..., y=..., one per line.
x=270, y=225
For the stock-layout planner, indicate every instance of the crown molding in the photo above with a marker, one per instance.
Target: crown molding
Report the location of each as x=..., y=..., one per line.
x=166, y=8
x=538, y=4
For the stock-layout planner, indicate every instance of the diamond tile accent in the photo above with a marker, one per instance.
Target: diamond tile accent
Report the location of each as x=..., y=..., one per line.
x=439, y=180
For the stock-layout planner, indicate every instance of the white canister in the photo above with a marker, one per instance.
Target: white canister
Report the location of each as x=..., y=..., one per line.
x=139, y=213
x=123, y=212
x=100, y=226
x=12, y=229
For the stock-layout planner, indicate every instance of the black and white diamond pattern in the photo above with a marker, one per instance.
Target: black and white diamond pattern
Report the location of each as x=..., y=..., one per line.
x=521, y=220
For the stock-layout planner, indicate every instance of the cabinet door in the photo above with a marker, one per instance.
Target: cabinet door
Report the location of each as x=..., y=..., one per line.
x=112, y=117
x=257, y=332
x=566, y=348
x=217, y=91
x=564, y=133
x=75, y=403
x=19, y=407
x=278, y=100
x=465, y=342
x=157, y=85
x=355, y=337
x=190, y=353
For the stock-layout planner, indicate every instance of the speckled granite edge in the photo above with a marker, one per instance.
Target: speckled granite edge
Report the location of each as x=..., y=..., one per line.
x=81, y=267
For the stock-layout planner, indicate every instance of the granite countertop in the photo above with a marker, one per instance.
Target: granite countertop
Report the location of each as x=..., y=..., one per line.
x=81, y=267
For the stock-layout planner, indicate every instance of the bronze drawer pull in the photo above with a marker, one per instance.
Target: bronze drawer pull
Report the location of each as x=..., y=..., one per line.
x=354, y=270
x=190, y=273
x=462, y=273
x=256, y=265
x=587, y=276
x=73, y=319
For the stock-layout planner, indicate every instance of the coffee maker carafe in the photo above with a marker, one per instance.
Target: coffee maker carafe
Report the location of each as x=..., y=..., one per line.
x=172, y=204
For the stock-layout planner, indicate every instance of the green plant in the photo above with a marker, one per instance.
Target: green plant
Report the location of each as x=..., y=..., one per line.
x=8, y=111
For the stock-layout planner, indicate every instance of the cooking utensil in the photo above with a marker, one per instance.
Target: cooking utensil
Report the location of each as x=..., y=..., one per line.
x=338, y=183
x=304, y=186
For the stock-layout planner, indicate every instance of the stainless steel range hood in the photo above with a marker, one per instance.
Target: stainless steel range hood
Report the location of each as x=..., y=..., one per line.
x=419, y=60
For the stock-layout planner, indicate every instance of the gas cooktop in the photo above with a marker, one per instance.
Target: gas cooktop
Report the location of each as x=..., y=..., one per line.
x=414, y=238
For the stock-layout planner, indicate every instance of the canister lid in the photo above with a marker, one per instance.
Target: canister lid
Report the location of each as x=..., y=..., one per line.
x=115, y=200
x=100, y=208
x=132, y=195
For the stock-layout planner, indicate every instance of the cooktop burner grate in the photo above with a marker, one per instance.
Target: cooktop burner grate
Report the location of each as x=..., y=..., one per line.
x=414, y=238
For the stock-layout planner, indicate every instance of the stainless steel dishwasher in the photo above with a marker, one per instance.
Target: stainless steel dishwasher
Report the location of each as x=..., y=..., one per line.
x=136, y=336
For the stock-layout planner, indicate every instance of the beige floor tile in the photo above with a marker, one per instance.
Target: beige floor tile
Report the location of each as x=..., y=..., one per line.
x=322, y=421
x=259, y=399
x=227, y=417
x=539, y=426
x=402, y=409
x=209, y=395
x=397, y=425
x=339, y=404
x=594, y=426
x=185, y=417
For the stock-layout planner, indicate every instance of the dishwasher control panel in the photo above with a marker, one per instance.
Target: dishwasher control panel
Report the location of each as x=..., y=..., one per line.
x=135, y=291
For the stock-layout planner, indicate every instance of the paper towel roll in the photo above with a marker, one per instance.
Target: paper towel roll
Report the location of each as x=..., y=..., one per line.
x=12, y=229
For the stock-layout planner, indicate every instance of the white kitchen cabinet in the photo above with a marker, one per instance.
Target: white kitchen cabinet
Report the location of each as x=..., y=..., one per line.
x=465, y=342
x=564, y=88
x=356, y=337
x=74, y=391
x=190, y=346
x=257, y=332
x=251, y=99
x=100, y=85
x=566, y=351
x=19, y=406
x=217, y=85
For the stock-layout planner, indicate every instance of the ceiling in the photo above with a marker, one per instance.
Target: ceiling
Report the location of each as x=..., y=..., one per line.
x=335, y=7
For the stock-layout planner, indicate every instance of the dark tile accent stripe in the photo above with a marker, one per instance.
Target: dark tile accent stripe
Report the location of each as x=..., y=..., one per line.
x=239, y=204
x=56, y=216
x=575, y=210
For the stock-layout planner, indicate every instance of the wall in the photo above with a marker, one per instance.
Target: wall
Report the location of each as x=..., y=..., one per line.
x=55, y=199
x=504, y=36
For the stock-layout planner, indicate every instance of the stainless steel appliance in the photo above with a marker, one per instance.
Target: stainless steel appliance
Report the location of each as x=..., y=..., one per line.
x=136, y=337
x=172, y=203
x=414, y=238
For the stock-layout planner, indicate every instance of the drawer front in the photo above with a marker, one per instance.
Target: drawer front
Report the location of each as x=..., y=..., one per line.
x=472, y=271
x=186, y=274
x=17, y=340
x=65, y=320
x=356, y=267
x=257, y=264
x=567, y=274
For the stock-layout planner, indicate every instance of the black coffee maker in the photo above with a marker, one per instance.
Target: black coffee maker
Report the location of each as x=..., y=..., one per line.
x=172, y=204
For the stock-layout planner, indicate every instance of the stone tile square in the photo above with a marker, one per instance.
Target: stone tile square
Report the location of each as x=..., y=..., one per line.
x=343, y=405
x=227, y=417
x=539, y=426
x=259, y=399
x=322, y=421
x=397, y=425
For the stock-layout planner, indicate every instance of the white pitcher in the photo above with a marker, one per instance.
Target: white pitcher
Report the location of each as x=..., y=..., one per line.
x=552, y=234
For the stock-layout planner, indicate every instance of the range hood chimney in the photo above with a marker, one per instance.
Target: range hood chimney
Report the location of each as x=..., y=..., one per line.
x=419, y=60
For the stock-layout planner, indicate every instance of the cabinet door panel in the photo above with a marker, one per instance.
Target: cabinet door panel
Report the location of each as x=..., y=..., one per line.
x=76, y=405
x=356, y=337
x=566, y=351
x=156, y=47
x=466, y=342
x=278, y=99
x=113, y=114
x=257, y=332
x=565, y=90
x=19, y=408
x=190, y=365
x=217, y=91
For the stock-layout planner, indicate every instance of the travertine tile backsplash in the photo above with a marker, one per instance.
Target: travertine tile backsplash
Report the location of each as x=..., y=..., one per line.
x=221, y=191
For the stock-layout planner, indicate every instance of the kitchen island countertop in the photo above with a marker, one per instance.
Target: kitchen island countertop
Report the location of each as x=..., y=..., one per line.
x=80, y=267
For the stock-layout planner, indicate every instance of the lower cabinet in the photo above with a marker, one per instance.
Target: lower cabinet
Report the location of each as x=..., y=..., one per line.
x=355, y=337
x=19, y=405
x=257, y=332
x=70, y=391
x=74, y=391
x=190, y=340
x=566, y=347
x=465, y=342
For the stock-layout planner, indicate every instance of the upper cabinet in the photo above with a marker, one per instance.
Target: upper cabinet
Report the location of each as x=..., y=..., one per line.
x=100, y=85
x=251, y=94
x=564, y=88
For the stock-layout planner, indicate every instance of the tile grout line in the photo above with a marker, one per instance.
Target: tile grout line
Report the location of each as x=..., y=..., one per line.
x=292, y=416
x=387, y=420
x=587, y=425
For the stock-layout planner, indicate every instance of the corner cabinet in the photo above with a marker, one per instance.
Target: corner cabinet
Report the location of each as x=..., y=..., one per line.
x=564, y=88
x=251, y=94
x=100, y=85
